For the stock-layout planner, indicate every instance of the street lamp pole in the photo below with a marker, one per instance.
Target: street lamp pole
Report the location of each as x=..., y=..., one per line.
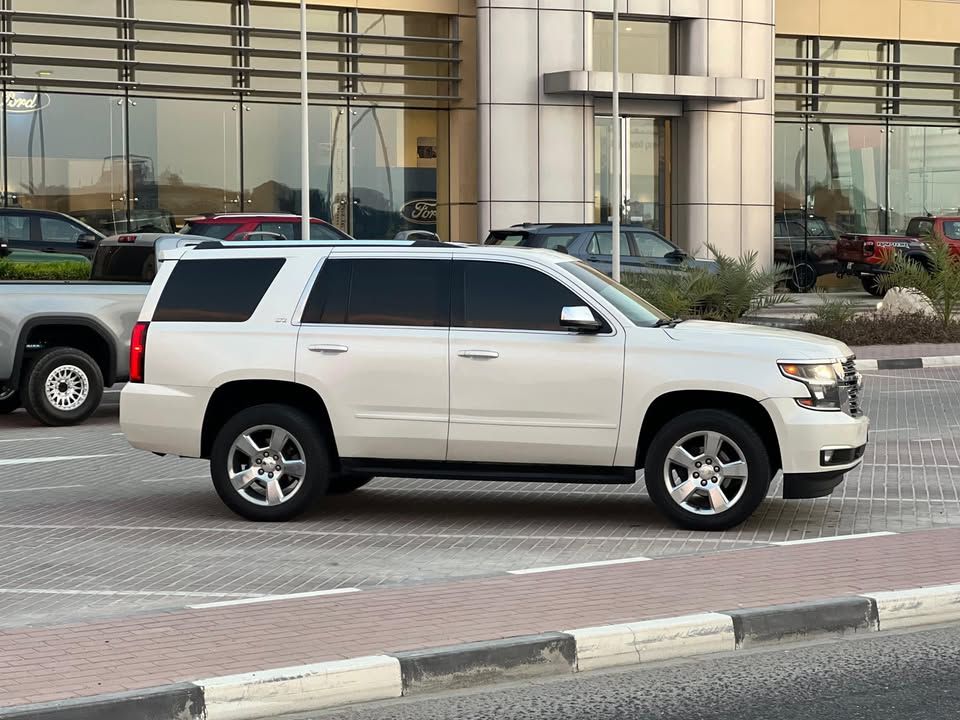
x=304, y=129
x=615, y=146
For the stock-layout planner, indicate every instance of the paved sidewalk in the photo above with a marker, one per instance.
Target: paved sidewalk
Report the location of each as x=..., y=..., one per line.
x=884, y=352
x=40, y=664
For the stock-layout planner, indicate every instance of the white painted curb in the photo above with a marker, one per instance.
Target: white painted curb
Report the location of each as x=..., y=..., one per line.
x=867, y=365
x=303, y=688
x=910, y=608
x=653, y=640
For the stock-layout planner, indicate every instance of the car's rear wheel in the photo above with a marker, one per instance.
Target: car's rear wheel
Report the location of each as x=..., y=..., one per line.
x=64, y=386
x=269, y=463
x=9, y=400
x=803, y=278
x=707, y=470
x=343, y=484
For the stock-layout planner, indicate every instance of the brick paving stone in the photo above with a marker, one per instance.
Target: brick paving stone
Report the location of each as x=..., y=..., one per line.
x=152, y=649
x=881, y=352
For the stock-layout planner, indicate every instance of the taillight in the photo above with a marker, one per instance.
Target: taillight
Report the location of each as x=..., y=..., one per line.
x=127, y=239
x=138, y=351
x=868, y=248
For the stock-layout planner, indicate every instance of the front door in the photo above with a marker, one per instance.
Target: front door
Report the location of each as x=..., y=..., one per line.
x=373, y=344
x=522, y=388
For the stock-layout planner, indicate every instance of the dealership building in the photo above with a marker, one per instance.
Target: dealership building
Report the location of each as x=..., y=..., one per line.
x=740, y=118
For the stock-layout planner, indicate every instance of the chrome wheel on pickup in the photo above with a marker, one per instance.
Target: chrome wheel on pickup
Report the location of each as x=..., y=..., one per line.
x=269, y=462
x=707, y=469
x=63, y=386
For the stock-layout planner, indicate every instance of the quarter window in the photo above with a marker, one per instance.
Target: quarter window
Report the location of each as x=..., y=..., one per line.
x=216, y=290
x=508, y=297
x=15, y=228
x=381, y=292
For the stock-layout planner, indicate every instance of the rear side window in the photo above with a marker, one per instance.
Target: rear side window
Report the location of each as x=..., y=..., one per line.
x=557, y=241
x=381, y=292
x=124, y=263
x=326, y=232
x=507, y=239
x=217, y=231
x=216, y=290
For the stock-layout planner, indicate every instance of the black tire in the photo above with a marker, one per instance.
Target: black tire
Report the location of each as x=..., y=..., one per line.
x=750, y=445
x=803, y=278
x=80, y=392
x=872, y=285
x=9, y=400
x=307, y=438
x=343, y=484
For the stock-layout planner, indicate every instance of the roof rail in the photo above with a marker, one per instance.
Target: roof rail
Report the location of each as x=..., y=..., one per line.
x=220, y=245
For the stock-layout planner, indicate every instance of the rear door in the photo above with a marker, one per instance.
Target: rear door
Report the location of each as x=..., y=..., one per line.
x=373, y=343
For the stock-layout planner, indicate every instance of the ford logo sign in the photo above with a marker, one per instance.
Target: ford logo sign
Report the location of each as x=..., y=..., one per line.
x=420, y=212
x=24, y=102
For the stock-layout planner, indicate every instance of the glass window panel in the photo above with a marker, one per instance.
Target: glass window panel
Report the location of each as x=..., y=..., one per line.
x=872, y=76
x=188, y=152
x=846, y=177
x=15, y=228
x=645, y=47
x=67, y=7
x=924, y=172
x=789, y=166
x=58, y=231
x=65, y=154
x=394, y=170
x=601, y=244
x=426, y=25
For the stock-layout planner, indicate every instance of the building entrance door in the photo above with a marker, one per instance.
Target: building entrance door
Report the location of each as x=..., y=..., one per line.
x=644, y=171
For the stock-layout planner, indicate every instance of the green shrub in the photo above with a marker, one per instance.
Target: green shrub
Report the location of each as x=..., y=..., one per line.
x=738, y=287
x=938, y=280
x=883, y=329
x=44, y=271
x=834, y=311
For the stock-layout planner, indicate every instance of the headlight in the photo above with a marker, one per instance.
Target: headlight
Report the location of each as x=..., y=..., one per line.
x=821, y=380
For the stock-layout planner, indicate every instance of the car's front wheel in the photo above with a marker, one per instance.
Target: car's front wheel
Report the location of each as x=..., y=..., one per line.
x=707, y=470
x=269, y=463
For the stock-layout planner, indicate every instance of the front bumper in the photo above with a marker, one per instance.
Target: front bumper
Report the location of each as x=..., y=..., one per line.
x=815, y=446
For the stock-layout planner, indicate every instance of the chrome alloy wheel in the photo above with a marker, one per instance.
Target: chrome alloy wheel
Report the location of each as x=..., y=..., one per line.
x=705, y=473
x=67, y=387
x=266, y=465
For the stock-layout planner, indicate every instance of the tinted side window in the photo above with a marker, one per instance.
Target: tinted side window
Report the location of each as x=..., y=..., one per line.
x=219, y=231
x=288, y=230
x=506, y=296
x=558, y=241
x=15, y=228
x=216, y=290
x=650, y=245
x=324, y=232
x=601, y=245
x=381, y=292
x=57, y=230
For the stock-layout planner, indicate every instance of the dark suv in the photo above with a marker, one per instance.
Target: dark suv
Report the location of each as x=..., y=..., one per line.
x=641, y=249
x=806, y=244
x=44, y=235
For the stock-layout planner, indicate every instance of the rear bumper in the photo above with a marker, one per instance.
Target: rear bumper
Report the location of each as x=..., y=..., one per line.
x=858, y=269
x=163, y=419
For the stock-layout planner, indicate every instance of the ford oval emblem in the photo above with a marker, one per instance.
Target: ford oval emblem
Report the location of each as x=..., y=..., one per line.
x=25, y=102
x=420, y=212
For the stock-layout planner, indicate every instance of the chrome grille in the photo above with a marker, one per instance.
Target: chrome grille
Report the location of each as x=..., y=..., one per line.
x=850, y=389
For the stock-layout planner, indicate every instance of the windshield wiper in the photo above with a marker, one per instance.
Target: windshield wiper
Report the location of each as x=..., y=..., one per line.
x=668, y=322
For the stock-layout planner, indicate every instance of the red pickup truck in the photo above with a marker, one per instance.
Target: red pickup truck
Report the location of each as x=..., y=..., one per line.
x=864, y=255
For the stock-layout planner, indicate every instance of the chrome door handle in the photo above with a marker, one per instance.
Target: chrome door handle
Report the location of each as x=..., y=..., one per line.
x=487, y=354
x=332, y=349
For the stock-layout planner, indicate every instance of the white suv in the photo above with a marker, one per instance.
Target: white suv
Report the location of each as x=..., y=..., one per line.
x=306, y=369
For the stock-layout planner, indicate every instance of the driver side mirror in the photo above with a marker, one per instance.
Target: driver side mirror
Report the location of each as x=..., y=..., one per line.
x=87, y=241
x=581, y=318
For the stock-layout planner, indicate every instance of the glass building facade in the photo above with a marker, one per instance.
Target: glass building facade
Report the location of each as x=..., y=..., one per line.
x=134, y=114
x=867, y=133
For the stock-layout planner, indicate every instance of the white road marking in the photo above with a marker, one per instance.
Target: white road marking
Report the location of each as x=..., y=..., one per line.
x=912, y=390
x=917, y=379
x=54, y=458
x=598, y=563
x=811, y=541
x=33, y=439
x=271, y=598
x=894, y=430
x=184, y=477
x=115, y=434
x=118, y=593
x=47, y=487
x=927, y=440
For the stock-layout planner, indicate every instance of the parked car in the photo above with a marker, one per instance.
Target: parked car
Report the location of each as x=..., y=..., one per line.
x=864, y=255
x=62, y=342
x=240, y=226
x=45, y=236
x=641, y=249
x=312, y=368
x=807, y=244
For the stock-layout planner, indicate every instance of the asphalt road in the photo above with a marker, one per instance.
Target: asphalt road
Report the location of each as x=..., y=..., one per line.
x=878, y=677
x=90, y=526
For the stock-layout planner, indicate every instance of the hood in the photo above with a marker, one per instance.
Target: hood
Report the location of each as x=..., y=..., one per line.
x=737, y=338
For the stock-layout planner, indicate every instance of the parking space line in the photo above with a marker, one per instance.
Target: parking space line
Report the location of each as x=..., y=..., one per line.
x=271, y=598
x=811, y=541
x=33, y=439
x=574, y=566
x=119, y=593
x=55, y=458
x=48, y=487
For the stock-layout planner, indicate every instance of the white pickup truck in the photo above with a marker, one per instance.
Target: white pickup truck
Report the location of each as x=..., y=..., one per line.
x=301, y=369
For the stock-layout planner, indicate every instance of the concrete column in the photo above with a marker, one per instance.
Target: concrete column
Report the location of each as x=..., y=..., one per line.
x=723, y=151
x=533, y=147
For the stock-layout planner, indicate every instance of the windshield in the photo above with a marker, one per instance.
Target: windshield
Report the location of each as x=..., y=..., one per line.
x=634, y=307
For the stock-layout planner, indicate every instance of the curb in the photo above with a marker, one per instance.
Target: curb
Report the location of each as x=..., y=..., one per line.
x=909, y=363
x=307, y=688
